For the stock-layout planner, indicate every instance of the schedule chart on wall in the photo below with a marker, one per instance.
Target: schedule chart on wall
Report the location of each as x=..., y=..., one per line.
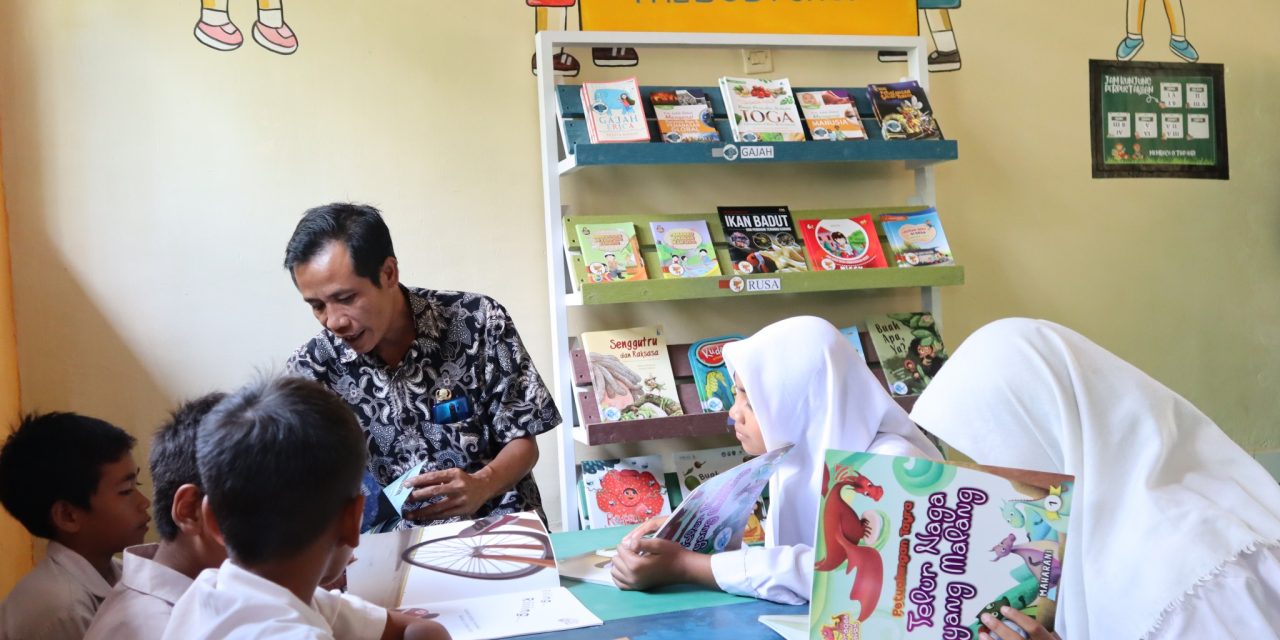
x=1157, y=120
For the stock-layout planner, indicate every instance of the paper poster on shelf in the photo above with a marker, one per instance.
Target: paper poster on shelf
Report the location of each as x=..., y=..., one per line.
x=1158, y=120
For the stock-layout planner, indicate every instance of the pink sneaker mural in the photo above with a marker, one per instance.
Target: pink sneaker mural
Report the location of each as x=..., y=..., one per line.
x=216, y=30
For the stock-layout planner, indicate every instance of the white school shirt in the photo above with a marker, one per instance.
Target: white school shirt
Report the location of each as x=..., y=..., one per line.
x=56, y=600
x=139, y=605
x=230, y=602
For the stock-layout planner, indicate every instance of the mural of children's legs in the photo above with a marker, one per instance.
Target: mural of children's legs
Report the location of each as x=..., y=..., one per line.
x=1178, y=44
x=946, y=52
x=215, y=29
x=270, y=30
x=562, y=63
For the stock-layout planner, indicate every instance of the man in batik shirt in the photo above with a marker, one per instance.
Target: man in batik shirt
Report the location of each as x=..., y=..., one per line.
x=434, y=377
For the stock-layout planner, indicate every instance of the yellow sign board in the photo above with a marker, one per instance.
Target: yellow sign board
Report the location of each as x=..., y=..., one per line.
x=824, y=17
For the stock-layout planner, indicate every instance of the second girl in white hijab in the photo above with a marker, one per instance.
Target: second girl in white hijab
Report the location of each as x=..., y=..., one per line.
x=798, y=381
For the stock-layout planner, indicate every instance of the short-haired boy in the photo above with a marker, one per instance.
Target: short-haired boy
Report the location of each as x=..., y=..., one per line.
x=281, y=464
x=72, y=480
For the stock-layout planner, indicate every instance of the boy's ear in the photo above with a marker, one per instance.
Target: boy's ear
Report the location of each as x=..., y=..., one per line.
x=210, y=522
x=351, y=520
x=66, y=517
x=186, y=511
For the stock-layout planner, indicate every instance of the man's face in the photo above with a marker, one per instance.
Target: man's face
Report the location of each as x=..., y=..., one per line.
x=346, y=304
x=117, y=510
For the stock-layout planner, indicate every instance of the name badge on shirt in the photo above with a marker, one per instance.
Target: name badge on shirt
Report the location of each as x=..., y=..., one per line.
x=450, y=409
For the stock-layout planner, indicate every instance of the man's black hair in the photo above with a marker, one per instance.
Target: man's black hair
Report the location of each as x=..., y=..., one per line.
x=52, y=457
x=358, y=226
x=279, y=460
x=173, y=459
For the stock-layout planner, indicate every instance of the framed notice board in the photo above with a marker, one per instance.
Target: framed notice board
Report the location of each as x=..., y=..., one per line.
x=871, y=18
x=1157, y=120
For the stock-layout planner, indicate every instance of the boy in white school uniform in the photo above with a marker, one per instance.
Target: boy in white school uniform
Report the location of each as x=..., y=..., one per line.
x=70, y=479
x=281, y=463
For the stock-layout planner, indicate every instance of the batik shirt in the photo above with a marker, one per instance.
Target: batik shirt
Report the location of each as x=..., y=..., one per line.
x=466, y=346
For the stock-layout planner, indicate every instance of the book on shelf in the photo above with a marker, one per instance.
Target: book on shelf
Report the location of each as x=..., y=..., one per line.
x=910, y=350
x=710, y=520
x=684, y=115
x=761, y=240
x=831, y=115
x=903, y=111
x=610, y=252
x=631, y=376
x=837, y=244
x=622, y=491
x=613, y=111
x=916, y=238
x=916, y=548
x=432, y=572
x=852, y=333
x=710, y=375
x=693, y=468
x=685, y=249
x=761, y=110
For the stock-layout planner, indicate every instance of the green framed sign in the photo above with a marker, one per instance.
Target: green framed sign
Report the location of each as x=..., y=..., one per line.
x=1158, y=120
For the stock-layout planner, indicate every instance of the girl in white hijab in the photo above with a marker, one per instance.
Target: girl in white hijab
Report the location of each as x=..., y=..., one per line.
x=1175, y=531
x=798, y=381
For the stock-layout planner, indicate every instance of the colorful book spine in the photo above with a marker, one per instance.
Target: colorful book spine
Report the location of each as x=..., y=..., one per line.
x=685, y=248
x=836, y=244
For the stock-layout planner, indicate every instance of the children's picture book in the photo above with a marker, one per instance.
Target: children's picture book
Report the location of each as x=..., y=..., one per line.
x=761, y=240
x=916, y=238
x=696, y=467
x=855, y=339
x=631, y=374
x=910, y=349
x=837, y=244
x=495, y=577
x=610, y=252
x=623, y=491
x=613, y=111
x=831, y=115
x=684, y=115
x=685, y=248
x=914, y=548
x=761, y=110
x=904, y=112
x=710, y=520
x=706, y=358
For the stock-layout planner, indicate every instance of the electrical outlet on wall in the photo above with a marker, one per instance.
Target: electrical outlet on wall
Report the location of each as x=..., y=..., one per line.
x=757, y=60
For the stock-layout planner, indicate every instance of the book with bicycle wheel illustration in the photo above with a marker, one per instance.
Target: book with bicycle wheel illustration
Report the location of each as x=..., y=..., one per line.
x=495, y=577
x=711, y=519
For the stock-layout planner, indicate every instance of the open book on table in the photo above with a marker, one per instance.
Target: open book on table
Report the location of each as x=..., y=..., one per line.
x=489, y=578
x=914, y=548
x=709, y=520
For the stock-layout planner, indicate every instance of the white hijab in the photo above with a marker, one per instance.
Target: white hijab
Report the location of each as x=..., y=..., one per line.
x=1163, y=498
x=808, y=386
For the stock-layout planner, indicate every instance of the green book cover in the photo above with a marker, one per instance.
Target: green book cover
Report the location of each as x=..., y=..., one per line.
x=685, y=249
x=910, y=349
x=610, y=252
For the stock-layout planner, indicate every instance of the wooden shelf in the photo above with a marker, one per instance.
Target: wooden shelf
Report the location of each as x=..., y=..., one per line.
x=580, y=152
x=593, y=431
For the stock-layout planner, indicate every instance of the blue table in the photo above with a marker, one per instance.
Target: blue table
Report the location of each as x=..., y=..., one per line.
x=672, y=613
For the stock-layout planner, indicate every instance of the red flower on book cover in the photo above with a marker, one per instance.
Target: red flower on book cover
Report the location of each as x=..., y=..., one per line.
x=628, y=496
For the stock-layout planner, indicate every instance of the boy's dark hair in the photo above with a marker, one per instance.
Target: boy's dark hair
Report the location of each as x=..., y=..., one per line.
x=52, y=457
x=358, y=226
x=279, y=460
x=173, y=458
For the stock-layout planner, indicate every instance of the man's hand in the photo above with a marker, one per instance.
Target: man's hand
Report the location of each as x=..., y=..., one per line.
x=1002, y=630
x=464, y=493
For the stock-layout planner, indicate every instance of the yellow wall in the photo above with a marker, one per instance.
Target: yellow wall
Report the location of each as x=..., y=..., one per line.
x=153, y=183
x=15, y=543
